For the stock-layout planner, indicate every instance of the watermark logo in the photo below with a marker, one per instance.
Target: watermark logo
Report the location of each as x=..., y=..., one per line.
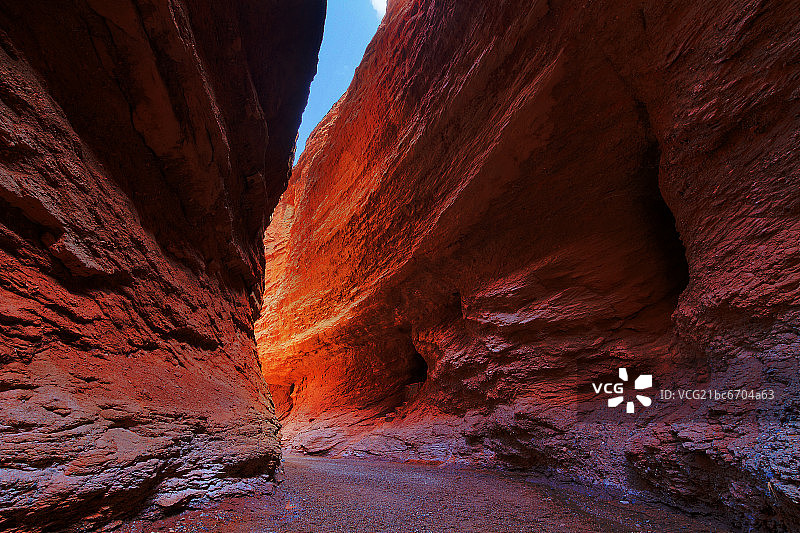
x=691, y=392
x=641, y=383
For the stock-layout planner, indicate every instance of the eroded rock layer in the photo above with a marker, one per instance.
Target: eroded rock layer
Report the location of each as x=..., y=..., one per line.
x=515, y=199
x=143, y=144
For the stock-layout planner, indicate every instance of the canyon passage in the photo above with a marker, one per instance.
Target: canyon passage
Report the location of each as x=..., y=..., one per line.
x=548, y=239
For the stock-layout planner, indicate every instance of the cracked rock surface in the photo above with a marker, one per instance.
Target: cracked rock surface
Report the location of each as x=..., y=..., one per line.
x=143, y=145
x=515, y=199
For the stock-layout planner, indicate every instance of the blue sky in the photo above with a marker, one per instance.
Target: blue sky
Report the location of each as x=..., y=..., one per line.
x=349, y=27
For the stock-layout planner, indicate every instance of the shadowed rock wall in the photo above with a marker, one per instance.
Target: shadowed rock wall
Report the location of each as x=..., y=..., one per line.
x=143, y=145
x=515, y=199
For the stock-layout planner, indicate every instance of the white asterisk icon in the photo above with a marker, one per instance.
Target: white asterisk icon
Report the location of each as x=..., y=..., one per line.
x=644, y=381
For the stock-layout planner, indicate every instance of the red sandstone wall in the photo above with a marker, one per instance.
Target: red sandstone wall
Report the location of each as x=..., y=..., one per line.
x=527, y=196
x=143, y=145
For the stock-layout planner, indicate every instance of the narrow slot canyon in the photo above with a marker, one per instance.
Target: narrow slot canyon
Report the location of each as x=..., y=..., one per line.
x=537, y=269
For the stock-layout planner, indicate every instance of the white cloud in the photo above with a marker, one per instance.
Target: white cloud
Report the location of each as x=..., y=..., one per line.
x=380, y=7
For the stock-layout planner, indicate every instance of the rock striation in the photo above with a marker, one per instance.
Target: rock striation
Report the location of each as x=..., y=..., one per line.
x=143, y=145
x=516, y=199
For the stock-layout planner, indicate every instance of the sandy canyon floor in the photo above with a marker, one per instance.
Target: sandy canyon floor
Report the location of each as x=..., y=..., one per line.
x=355, y=495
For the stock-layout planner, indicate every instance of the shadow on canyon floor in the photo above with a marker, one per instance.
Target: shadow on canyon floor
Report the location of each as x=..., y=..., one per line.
x=357, y=495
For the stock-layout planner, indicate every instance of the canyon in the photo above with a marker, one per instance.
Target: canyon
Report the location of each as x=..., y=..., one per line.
x=515, y=207
x=143, y=145
x=515, y=200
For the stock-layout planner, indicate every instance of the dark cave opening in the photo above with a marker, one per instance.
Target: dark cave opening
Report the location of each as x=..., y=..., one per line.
x=416, y=376
x=418, y=370
x=663, y=226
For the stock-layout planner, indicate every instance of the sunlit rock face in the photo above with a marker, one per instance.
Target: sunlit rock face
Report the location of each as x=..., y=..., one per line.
x=143, y=146
x=514, y=200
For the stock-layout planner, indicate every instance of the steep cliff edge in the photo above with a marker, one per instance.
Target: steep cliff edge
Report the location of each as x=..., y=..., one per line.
x=143, y=145
x=516, y=199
